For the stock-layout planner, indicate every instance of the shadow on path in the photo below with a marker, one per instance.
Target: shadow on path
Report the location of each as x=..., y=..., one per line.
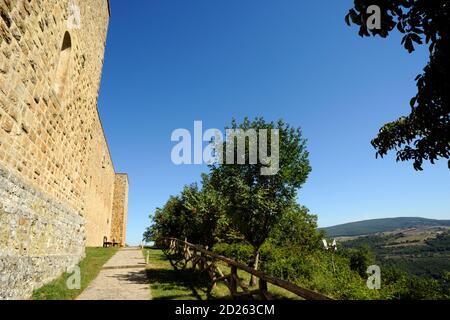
x=135, y=277
x=179, y=280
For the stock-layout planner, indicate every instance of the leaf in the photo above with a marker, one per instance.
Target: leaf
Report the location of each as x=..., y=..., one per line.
x=347, y=19
x=416, y=38
x=417, y=166
x=432, y=46
x=409, y=45
x=354, y=16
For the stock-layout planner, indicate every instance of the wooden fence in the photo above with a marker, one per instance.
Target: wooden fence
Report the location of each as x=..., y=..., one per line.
x=180, y=253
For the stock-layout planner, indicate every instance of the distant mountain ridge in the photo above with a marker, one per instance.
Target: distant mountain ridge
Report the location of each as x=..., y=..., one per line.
x=381, y=225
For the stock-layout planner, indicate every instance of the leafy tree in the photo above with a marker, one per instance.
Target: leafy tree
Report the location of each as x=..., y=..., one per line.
x=196, y=214
x=407, y=287
x=256, y=202
x=425, y=133
x=207, y=209
x=168, y=221
x=297, y=229
x=361, y=259
x=148, y=235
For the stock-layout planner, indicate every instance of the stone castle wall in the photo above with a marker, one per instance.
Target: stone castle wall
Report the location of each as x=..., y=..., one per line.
x=39, y=237
x=57, y=178
x=120, y=209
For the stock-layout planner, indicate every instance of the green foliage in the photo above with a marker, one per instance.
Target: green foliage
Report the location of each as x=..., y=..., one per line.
x=237, y=251
x=296, y=232
x=196, y=214
x=207, y=206
x=292, y=252
x=440, y=243
x=446, y=277
x=255, y=202
x=314, y=270
x=291, y=265
x=169, y=221
x=424, y=133
x=360, y=260
x=400, y=285
x=297, y=228
x=237, y=200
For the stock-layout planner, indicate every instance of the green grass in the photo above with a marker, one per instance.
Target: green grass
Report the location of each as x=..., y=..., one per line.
x=166, y=283
x=90, y=266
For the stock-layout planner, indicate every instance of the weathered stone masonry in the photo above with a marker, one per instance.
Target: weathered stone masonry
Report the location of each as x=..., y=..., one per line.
x=120, y=209
x=58, y=188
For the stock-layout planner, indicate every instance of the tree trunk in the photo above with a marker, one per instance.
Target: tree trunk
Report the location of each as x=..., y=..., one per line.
x=255, y=263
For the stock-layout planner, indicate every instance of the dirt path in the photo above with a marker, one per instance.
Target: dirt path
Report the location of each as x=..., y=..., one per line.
x=123, y=277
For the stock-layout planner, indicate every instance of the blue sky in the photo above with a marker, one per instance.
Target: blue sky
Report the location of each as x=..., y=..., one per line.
x=171, y=62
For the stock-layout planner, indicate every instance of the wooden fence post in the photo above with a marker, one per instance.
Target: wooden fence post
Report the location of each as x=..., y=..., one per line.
x=233, y=282
x=263, y=289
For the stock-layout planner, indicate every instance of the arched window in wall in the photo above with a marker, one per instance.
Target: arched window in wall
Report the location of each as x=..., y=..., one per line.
x=62, y=71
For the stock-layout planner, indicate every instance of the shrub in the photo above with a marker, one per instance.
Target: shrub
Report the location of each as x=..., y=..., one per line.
x=237, y=251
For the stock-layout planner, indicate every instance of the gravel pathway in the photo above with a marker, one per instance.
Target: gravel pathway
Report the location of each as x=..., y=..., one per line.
x=123, y=277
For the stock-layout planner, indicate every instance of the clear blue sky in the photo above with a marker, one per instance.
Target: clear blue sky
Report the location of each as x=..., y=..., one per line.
x=171, y=62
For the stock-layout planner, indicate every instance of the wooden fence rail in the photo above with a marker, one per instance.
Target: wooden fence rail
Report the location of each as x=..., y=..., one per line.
x=180, y=253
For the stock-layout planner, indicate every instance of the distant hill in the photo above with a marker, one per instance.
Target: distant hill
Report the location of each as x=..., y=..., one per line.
x=381, y=225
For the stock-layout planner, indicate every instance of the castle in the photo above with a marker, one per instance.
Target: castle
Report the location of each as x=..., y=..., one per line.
x=59, y=191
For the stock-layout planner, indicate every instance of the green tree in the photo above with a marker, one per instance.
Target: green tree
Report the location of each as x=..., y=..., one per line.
x=424, y=134
x=210, y=223
x=256, y=202
x=360, y=259
x=196, y=214
x=403, y=286
x=169, y=221
x=297, y=229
